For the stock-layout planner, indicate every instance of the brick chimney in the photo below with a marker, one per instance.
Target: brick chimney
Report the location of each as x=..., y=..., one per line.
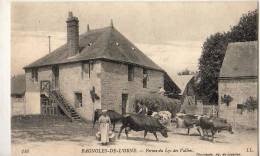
x=72, y=34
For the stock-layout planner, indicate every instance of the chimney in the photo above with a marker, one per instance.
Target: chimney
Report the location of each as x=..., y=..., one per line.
x=72, y=34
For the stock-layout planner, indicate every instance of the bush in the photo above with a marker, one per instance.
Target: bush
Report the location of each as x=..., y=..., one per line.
x=156, y=102
x=251, y=104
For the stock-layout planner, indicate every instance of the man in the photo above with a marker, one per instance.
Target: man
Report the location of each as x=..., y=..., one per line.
x=161, y=91
x=142, y=109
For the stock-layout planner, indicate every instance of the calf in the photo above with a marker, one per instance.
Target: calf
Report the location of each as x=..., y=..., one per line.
x=215, y=125
x=188, y=121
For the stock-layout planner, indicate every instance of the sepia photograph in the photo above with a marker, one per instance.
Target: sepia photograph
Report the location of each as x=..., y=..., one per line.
x=134, y=78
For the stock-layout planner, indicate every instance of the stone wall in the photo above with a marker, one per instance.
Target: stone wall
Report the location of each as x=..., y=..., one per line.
x=115, y=82
x=110, y=81
x=72, y=81
x=32, y=95
x=17, y=106
x=239, y=90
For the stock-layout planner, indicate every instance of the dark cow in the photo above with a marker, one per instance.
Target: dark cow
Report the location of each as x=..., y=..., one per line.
x=215, y=125
x=187, y=121
x=144, y=123
x=113, y=115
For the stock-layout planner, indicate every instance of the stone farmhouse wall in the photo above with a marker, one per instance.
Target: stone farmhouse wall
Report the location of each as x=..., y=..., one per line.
x=114, y=83
x=110, y=81
x=71, y=81
x=239, y=90
x=32, y=94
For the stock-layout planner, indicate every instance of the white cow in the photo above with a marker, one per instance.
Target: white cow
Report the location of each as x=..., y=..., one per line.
x=164, y=117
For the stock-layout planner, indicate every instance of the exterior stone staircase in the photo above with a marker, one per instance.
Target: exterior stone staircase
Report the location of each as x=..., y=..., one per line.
x=68, y=110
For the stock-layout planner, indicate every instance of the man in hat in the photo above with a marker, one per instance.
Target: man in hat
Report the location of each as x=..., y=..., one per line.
x=142, y=109
x=104, y=122
x=161, y=91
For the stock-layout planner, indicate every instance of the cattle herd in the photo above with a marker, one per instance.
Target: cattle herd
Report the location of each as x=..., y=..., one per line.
x=159, y=121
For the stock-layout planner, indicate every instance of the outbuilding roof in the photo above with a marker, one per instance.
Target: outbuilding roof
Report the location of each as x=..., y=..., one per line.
x=18, y=85
x=104, y=44
x=240, y=60
x=182, y=81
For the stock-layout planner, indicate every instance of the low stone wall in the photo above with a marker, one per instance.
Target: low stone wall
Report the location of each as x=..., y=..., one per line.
x=17, y=106
x=238, y=118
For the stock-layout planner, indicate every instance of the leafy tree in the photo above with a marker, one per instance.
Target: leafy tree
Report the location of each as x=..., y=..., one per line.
x=213, y=52
x=186, y=72
x=246, y=29
x=251, y=103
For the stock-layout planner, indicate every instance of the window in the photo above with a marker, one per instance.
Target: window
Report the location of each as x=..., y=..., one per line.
x=78, y=100
x=130, y=73
x=35, y=74
x=145, y=78
x=86, y=69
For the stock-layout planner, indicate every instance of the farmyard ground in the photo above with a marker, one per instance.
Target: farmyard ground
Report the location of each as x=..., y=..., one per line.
x=38, y=136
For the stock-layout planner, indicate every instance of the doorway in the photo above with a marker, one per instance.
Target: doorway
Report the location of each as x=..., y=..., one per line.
x=124, y=102
x=55, y=79
x=78, y=100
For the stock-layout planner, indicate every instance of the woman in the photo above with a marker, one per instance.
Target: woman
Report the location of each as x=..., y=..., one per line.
x=104, y=122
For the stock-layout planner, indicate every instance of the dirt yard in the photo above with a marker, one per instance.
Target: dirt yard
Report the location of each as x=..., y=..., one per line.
x=44, y=136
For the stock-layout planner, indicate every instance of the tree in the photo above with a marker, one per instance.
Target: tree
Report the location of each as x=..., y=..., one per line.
x=186, y=72
x=246, y=29
x=213, y=52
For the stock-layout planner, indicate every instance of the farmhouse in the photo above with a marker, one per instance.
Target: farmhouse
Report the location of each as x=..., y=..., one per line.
x=99, y=69
x=238, y=83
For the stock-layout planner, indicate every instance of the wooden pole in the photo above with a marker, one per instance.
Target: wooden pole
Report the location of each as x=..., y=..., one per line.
x=49, y=44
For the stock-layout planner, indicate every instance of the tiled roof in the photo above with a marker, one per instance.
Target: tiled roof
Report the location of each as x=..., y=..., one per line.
x=106, y=43
x=240, y=60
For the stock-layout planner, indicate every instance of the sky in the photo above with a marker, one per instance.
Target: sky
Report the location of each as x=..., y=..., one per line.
x=170, y=33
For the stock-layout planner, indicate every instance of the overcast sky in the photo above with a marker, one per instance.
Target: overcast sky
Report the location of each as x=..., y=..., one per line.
x=170, y=33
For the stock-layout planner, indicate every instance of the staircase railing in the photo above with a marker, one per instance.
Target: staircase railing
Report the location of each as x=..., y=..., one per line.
x=61, y=102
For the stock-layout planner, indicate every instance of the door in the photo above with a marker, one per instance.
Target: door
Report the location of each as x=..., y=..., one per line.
x=47, y=107
x=124, y=102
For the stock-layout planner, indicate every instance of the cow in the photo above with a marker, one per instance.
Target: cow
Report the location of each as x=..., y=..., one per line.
x=188, y=121
x=214, y=125
x=113, y=115
x=144, y=123
x=164, y=117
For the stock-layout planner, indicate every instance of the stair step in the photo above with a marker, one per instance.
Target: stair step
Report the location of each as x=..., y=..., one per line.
x=58, y=98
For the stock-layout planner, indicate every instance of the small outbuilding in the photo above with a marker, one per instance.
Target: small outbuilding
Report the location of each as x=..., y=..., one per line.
x=238, y=82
